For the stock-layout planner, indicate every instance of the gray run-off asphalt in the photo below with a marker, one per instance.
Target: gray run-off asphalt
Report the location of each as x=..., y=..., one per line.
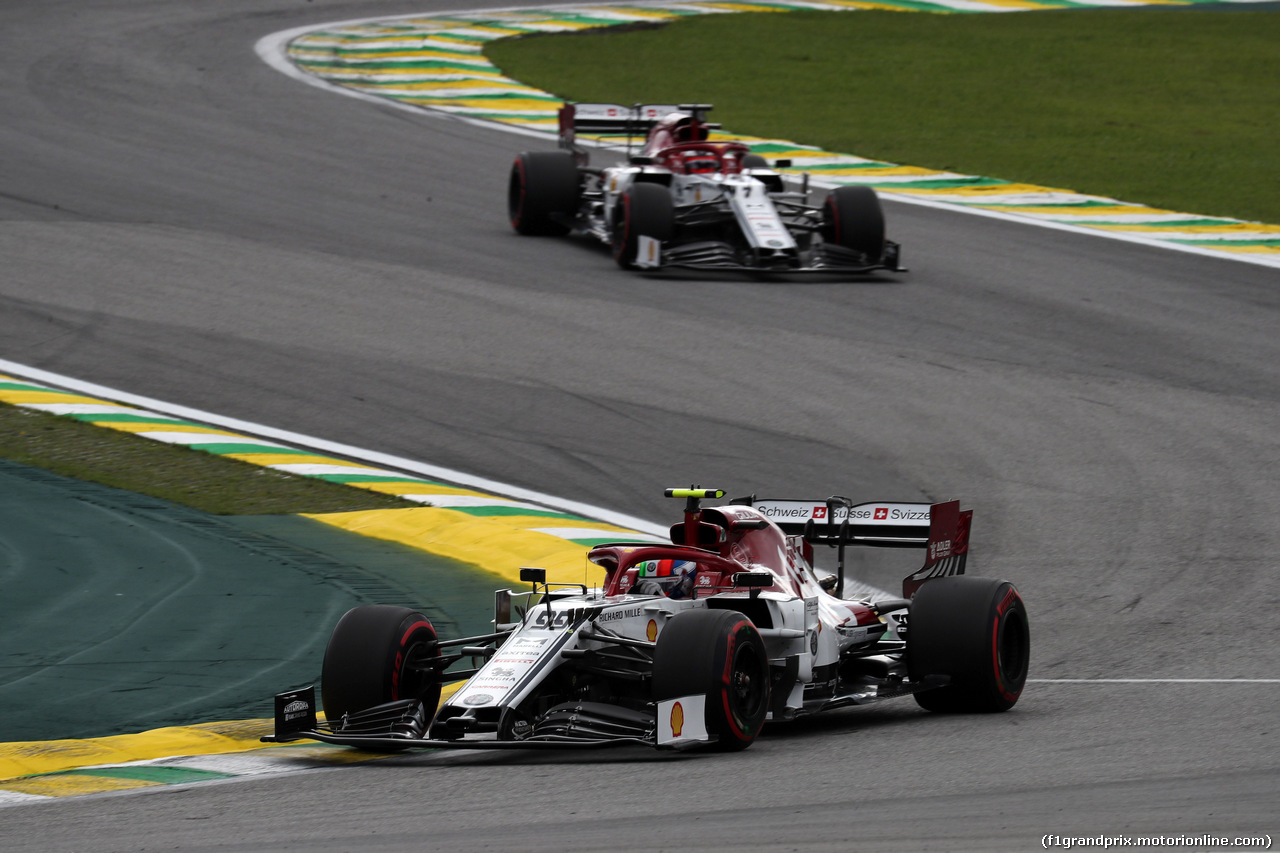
x=181, y=221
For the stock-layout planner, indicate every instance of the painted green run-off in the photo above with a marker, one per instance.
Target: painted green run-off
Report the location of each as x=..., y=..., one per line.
x=513, y=116
x=374, y=478
x=377, y=54
x=472, y=88
x=450, y=61
x=497, y=511
x=148, y=773
x=770, y=147
x=473, y=39
x=1218, y=244
x=1094, y=206
x=818, y=168
x=356, y=34
x=132, y=419
x=229, y=448
x=169, y=606
x=26, y=386
x=408, y=65
x=604, y=540
x=1170, y=224
x=494, y=98
x=926, y=183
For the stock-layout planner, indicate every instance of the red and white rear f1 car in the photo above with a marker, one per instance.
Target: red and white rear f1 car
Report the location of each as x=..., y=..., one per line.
x=697, y=642
x=685, y=203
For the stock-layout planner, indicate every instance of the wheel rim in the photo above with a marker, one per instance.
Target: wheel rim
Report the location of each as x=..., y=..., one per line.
x=416, y=672
x=621, y=230
x=831, y=228
x=746, y=689
x=1012, y=653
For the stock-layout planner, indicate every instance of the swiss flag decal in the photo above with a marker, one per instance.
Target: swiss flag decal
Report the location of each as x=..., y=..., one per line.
x=881, y=513
x=819, y=512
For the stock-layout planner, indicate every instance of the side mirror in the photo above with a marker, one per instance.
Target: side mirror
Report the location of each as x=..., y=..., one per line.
x=533, y=575
x=752, y=580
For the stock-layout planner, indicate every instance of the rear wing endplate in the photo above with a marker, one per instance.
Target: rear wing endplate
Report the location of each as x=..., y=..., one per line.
x=941, y=529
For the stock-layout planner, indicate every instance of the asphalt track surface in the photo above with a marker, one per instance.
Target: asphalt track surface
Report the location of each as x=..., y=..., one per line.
x=181, y=221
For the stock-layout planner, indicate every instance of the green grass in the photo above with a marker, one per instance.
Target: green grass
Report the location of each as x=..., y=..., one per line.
x=1171, y=107
x=190, y=477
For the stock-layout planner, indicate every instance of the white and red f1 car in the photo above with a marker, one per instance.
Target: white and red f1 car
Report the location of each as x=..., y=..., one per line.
x=685, y=203
x=697, y=642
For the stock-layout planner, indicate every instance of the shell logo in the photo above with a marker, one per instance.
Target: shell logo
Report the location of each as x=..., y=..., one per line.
x=651, y=630
x=677, y=719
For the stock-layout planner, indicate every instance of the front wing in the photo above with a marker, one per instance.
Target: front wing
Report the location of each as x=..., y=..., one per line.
x=396, y=726
x=711, y=258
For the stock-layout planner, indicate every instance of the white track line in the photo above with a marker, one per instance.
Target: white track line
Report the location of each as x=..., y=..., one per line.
x=1153, y=680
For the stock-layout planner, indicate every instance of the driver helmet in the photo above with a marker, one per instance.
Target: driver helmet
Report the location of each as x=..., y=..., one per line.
x=700, y=162
x=672, y=578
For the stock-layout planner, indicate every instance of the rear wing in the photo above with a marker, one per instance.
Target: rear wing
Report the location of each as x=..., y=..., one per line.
x=616, y=120
x=610, y=120
x=942, y=530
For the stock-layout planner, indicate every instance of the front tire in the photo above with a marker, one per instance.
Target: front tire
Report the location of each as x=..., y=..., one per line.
x=852, y=218
x=974, y=630
x=645, y=210
x=378, y=653
x=718, y=653
x=543, y=192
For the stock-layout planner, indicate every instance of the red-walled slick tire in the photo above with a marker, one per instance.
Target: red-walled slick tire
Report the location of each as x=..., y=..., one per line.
x=378, y=653
x=718, y=653
x=543, y=192
x=852, y=218
x=645, y=210
x=974, y=630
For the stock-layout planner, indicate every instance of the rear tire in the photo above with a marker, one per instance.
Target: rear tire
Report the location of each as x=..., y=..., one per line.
x=718, y=653
x=375, y=655
x=852, y=218
x=543, y=192
x=645, y=210
x=754, y=161
x=974, y=630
